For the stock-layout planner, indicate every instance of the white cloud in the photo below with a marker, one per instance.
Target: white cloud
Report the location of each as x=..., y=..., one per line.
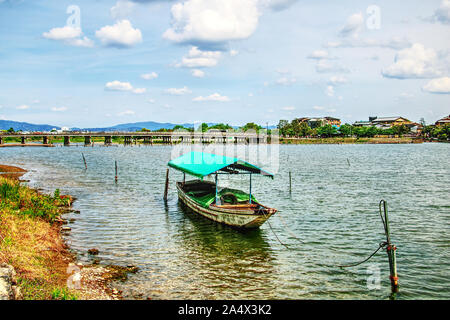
x=123, y=86
x=335, y=80
x=326, y=66
x=69, y=35
x=285, y=81
x=118, y=86
x=288, y=108
x=396, y=43
x=318, y=108
x=414, y=62
x=122, y=9
x=59, y=109
x=197, y=58
x=197, y=73
x=149, y=76
x=122, y=34
x=329, y=91
x=442, y=14
x=318, y=54
x=178, y=91
x=126, y=113
x=440, y=85
x=151, y=100
x=63, y=33
x=139, y=90
x=22, y=107
x=212, y=21
x=353, y=25
x=233, y=52
x=81, y=42
x=212, y=97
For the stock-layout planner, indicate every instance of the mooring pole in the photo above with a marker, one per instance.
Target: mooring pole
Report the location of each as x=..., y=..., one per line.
x=290, y=182
x=166, y=189
x=390, y=249
x=250, y=197
x=115, y=178
x=84, y=159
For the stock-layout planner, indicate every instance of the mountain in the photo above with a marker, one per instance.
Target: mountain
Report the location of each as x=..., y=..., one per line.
x=124, y=127
x=24, y=126
x=131, y=127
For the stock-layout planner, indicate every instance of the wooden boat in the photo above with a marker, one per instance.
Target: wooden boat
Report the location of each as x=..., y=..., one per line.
x=231, y=207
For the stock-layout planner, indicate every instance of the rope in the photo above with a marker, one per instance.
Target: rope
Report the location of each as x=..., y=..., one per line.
x=288, y=230
x=260, y=210
x=382, y=245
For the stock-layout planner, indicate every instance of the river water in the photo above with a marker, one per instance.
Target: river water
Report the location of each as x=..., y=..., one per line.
x=329, y=218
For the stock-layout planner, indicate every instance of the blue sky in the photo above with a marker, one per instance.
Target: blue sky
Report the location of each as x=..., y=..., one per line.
x=232, y=61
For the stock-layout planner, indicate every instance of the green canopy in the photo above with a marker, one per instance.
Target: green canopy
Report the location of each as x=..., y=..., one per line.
x=201, y=164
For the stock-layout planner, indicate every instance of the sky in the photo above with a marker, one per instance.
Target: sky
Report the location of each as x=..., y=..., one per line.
x=100, y=63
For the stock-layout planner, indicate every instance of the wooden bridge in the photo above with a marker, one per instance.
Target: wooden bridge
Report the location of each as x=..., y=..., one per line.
x=146, y=137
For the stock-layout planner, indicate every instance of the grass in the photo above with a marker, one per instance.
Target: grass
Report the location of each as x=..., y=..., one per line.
x=342, y=140
x=30, y=240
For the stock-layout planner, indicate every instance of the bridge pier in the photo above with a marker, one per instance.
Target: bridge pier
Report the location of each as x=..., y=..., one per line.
x=108, y=140
x=87, y=141
x=66, y=141
x=44, y=140
x=24, y=140
x=1, y=140
x=147, y=140
x=127, y=140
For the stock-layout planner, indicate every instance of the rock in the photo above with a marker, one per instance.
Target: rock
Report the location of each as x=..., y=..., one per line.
x=66, y=228
x=93, y=251
x=8, y=288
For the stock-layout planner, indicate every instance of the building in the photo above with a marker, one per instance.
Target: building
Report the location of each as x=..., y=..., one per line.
x=443, y=121
x=320, y=122
x=387, y=123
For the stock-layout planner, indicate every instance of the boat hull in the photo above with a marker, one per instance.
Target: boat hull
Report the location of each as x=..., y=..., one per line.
x=245, y=219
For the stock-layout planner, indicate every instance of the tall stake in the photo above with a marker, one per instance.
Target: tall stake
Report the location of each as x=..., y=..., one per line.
x=166, y=189
x=84, y=159
x=390, y=249
x=290, y=182
x=115, y=178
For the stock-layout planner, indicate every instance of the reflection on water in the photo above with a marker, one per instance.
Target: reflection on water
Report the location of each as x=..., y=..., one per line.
x=332, y=209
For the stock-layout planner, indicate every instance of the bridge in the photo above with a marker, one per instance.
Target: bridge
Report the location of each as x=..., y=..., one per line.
x=146, y=137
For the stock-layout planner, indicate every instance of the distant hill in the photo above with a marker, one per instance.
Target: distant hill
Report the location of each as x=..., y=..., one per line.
x=131, y=127
x=125, y=127
x=24, y=126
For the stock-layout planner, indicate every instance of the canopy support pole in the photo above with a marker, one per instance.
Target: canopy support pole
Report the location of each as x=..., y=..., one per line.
x=217, y=195
x=250, y=198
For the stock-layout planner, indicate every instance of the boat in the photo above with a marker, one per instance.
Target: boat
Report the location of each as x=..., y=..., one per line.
x=231, y=207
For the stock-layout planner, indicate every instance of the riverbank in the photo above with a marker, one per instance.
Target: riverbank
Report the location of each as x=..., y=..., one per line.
x=31, y=227
x=347, y=140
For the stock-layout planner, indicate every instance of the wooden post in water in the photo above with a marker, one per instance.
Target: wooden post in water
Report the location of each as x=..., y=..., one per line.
x=84, y=159
x=290, y=182
x=115, y=178
x=166, y=189
x=390, y=250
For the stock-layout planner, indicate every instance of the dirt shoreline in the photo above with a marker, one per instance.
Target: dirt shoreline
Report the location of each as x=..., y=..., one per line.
x=84, y=282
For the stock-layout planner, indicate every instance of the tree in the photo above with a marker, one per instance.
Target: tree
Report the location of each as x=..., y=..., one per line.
x=251, y=126
x=326, y=131
x=282, y=126
x=145, y=130
x=10, y=130
x=400, y=129
x=346, y=130
x=203, y=127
